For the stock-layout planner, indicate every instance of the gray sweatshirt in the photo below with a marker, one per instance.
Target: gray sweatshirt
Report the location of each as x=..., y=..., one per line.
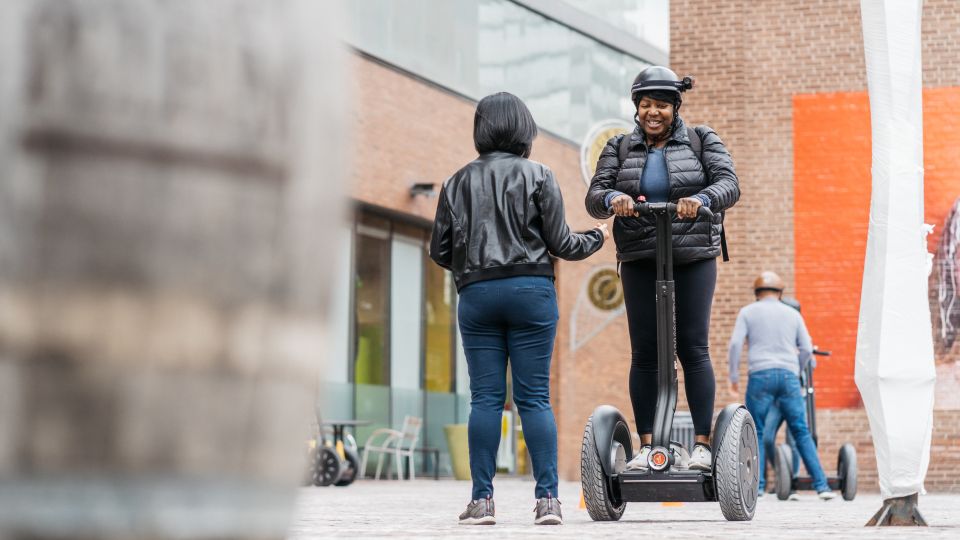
x=776, y=334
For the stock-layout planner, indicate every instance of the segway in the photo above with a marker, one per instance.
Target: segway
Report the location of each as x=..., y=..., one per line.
x=332, y=462
x=607, y=444
x=846, y=479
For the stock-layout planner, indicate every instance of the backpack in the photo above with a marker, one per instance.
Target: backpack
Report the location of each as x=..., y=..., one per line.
x=696, y=143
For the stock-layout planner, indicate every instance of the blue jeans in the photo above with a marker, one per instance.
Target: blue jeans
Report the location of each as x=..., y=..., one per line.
x=771, y=426
x=767, y=386
x=513, y=318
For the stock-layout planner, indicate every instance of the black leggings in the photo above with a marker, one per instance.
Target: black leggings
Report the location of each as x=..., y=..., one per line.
x=694, y=287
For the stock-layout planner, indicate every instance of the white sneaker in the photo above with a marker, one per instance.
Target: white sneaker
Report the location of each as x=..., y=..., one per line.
x=794, y=496
x=826, y=495
x=700, y=458
x=639, y=461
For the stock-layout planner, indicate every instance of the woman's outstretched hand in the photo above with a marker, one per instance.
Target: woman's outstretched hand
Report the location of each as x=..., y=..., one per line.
x=602, y=227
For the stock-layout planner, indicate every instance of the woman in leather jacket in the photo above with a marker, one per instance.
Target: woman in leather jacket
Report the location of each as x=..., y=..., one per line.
x=499, y=220
x=661, y=163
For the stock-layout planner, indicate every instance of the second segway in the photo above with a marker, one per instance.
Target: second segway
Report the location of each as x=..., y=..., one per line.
x=846, y=479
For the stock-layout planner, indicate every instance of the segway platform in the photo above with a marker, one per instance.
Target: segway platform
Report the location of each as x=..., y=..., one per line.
x=667, y=486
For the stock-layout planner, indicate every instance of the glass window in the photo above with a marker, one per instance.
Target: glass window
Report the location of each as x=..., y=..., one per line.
x=404, y=327
x=371, y=318
x=648, y=20
x=439, y=362
x=569, y=81
x=372, y=280
x=438, y=307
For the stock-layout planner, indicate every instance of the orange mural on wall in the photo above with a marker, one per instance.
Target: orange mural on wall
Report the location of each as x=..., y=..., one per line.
x=832, y=158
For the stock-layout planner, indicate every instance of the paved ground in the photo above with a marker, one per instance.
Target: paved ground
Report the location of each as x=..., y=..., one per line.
x=428, y=508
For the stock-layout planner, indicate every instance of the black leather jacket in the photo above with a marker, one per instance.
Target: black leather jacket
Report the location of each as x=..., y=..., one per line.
x=502, y=216
x=693, y=240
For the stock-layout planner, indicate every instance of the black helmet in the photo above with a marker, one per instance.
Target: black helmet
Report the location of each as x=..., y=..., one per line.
x=659, y=78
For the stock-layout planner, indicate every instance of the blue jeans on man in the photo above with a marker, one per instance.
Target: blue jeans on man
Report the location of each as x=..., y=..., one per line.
x=769, y=385
x=512, y=318
x=771, y=425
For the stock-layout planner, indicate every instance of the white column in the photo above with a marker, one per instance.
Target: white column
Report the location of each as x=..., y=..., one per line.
x=895, y=364
x=406, y=327
x=335, y=399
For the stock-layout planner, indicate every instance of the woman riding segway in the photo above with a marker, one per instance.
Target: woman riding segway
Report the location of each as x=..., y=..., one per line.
x=659, y=161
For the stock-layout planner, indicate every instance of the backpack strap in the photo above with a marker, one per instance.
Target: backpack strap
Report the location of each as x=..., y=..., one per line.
x=696, y=143
x=624, y=149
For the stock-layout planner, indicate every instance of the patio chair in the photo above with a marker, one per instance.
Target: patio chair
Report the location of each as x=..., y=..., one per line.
x=399, y=444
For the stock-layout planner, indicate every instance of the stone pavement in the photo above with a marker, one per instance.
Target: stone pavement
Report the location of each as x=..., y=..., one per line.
x=427, y=508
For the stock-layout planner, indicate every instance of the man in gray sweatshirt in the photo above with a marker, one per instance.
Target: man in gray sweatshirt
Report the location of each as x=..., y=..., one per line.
x=779, y=348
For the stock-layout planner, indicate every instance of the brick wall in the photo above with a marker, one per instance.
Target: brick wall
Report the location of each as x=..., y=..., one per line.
x=751, y=59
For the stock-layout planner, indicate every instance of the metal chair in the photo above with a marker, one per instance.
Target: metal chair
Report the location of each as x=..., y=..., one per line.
x=399, y=444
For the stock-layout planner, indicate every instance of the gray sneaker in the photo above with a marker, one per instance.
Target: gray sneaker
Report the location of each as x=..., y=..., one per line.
x=479, y=512
x=700, y=458
x=548, y=511
x=639, y=461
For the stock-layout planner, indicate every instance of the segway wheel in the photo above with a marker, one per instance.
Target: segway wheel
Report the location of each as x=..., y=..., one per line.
x=329, y=467
x=783, y=468
x=847, y=470
x=736, y=468
x=350, y=469
x=311, y=472
x=596, y=489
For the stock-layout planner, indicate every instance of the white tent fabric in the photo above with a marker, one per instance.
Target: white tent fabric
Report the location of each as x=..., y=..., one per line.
x=895, y=363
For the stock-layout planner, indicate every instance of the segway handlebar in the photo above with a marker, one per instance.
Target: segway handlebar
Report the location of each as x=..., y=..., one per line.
x=818, y=352
x=645, y=209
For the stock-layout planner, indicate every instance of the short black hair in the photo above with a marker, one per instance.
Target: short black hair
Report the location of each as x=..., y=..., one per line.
x=503, y=123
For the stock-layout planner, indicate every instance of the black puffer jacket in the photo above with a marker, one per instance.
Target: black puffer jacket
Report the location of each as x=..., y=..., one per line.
x=692, y=240
x=502, y=216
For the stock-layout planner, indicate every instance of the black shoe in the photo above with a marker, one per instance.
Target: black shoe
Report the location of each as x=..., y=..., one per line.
x=479, y=512
x=548, y=511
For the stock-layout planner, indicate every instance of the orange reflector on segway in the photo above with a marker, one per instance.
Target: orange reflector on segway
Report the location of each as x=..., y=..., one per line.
x=659, y=459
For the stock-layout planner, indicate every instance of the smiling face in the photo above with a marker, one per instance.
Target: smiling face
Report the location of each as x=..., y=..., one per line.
x=655, y=116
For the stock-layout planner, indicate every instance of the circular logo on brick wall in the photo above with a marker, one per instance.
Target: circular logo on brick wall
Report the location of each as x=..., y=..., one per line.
x=593, y=144
x=604, y=290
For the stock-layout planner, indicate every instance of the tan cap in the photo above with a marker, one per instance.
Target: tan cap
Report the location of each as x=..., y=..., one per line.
x=768, y=280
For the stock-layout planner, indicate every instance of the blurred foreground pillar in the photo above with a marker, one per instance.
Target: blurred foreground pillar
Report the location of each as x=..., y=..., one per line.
x=168, y=174
x=895, y=365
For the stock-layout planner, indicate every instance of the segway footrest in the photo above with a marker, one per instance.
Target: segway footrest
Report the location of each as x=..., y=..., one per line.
x=666, y=486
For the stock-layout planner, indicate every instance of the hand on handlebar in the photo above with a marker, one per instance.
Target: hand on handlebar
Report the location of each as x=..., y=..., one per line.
x=687, y=207
x=622, y=205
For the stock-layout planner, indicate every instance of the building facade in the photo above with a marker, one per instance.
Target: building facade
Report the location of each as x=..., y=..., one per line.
x=784, y=85
x=418, y=70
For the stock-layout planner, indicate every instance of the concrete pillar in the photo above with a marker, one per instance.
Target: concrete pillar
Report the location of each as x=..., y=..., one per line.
x=169, y=172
